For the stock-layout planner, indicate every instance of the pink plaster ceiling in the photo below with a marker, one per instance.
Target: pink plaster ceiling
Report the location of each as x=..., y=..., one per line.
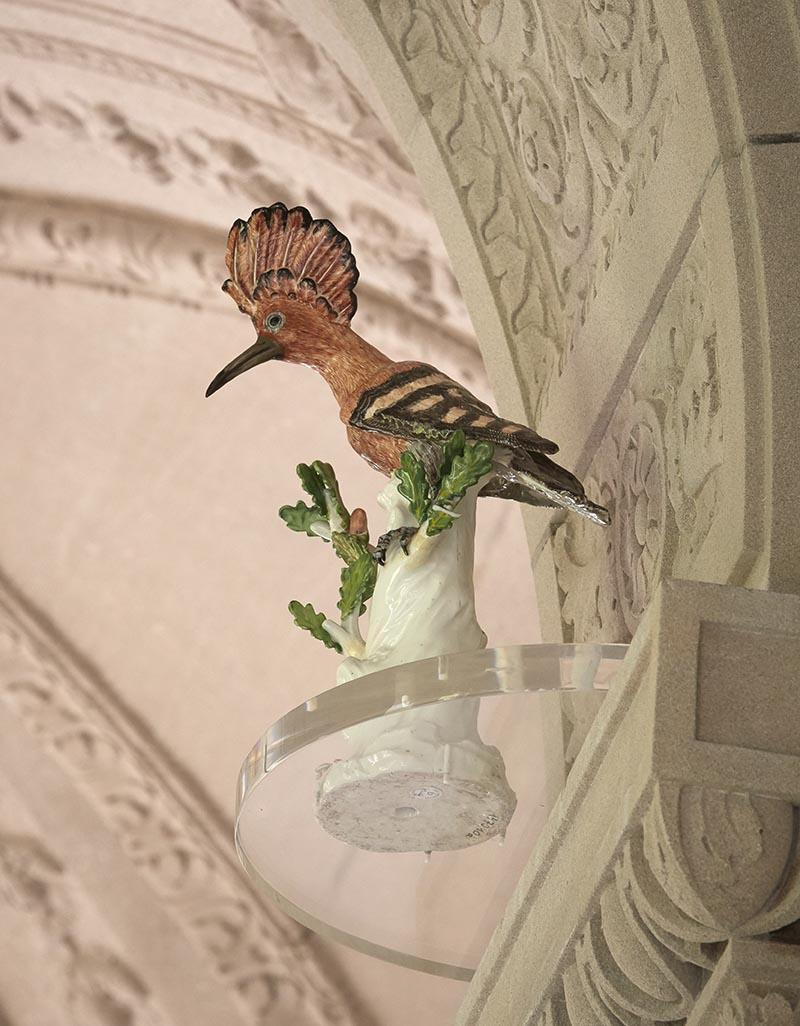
x=138, y=517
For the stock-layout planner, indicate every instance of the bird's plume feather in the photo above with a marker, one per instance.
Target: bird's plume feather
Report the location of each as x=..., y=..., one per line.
x=282, y=252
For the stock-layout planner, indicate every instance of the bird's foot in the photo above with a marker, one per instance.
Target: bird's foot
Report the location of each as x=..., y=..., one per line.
x=403, y=535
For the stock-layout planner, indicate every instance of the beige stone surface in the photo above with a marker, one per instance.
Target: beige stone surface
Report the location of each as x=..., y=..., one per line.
x=664, y=843
x=753, y=981
x=617, y=184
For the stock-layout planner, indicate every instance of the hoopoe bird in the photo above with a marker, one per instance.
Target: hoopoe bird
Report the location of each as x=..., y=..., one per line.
x=295, y=277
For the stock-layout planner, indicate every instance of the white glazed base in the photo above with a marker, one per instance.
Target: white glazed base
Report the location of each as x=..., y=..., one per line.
x=422, y=781
x=419, y=780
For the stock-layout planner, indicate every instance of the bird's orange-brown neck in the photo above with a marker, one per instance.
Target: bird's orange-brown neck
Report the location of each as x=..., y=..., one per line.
x=345, y=360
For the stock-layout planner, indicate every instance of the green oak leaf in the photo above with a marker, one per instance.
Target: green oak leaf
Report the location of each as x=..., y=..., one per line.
x=413, y=485
x=358, y=583
x=465, y=471
x=349, y=547
x=454, y=446
x=313, y=485
x=325, y=474
x=307, y=618
x=438, y=521
x=302, y=517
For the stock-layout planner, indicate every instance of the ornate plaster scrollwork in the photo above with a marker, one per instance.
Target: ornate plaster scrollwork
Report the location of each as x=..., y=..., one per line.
x=259, y=956
x=247, y=150
x=97, y=987
x=659, y=464
x=719, y=856
x=114, y=251
x=303, y=78
x=358, y=155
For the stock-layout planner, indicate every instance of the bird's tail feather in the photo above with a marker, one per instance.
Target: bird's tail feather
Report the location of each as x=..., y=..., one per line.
x=541, y=482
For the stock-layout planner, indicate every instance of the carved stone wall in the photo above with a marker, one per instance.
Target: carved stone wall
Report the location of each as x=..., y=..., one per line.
x=536, y=112
x=607, y=179
x=617, y=184
x=666, y=885
x=658, y=467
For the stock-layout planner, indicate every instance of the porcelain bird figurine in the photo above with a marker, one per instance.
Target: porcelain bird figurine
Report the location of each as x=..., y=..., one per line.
x=295, y=277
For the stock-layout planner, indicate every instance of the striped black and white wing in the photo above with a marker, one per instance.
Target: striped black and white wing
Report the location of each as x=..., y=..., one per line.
x=424, y=404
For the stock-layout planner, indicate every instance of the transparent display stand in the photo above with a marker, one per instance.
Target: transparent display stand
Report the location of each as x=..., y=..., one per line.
x=396, y=812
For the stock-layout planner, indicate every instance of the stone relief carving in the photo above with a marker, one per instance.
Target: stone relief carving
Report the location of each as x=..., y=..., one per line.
x=261, y=956
x=677, y=892
x=49, y=241
x=548, y=118
x=660, y=464
x=97, y=987
x=748, y=1009
x=584, y=107
x=719, y=856
x=310, y=104
x=426, y=46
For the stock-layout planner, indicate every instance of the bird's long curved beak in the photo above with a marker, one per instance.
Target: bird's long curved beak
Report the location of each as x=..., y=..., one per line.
x=264, y=348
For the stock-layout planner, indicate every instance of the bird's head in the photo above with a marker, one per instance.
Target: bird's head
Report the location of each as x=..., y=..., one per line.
x=295, y=278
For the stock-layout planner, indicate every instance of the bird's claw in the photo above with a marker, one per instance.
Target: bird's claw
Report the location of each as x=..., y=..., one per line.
x=403, y=535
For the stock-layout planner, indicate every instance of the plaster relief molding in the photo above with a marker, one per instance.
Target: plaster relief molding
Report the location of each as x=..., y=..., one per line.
x=179, y=845
x=52, y=241
x=748, y=1009
x=547, y=119
x=310, y=82
x=254, y=149
x=704, y=863
x=114, y=250
x=86, y=973
x=402, y=254
x=584, y=92
x=141, y=31
x=465, y=124
x=664, y=851
x=658, y=469
x=359, y=158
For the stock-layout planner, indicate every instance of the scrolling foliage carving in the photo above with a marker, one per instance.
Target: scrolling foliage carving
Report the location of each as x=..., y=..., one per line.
x=548, y=117
x=413, y=290
x=367, y=158
x=660, y=464
x=96, y=986
x=701, y=866
x=748, y=1009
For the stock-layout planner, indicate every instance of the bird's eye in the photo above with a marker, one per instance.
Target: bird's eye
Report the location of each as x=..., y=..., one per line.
x=274, y=322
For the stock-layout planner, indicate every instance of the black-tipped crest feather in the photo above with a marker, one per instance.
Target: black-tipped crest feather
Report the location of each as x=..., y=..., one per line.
x=287, y=252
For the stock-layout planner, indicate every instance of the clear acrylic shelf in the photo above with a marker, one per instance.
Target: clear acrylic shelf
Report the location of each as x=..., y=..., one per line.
x=395, y=813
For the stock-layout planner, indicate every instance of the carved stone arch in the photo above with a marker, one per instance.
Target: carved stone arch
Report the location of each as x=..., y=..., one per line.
x=615, y=186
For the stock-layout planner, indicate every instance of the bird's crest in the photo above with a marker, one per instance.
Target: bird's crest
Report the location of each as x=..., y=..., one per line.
x=281, y=252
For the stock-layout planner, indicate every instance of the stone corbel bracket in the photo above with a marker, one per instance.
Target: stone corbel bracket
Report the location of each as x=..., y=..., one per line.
x=670, y=858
